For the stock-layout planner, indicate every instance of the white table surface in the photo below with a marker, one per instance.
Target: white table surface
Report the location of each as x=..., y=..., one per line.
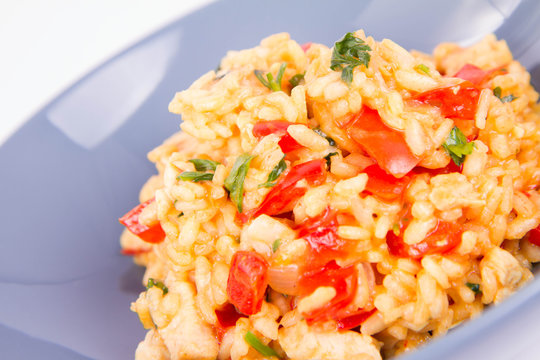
x=48, y=45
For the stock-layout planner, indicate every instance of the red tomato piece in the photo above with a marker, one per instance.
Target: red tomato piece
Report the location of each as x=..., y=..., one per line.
x=134, y=252
x=306, y=46
x=384, y=185
x=286, y=192
x=445, y=237
x=343, y=279
x=472, y=73
x=247, y=281
x=321, y=234
x=478, y=76
x=228, y=315
x=457, y=101
x=355, y=320
x=385, y=145
x=534, y=236
x=279, y=128
x=152, y=234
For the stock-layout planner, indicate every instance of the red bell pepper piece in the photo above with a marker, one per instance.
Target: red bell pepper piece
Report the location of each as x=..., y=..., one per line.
x=385, y=145
x=384, y=185
x=279, y=128
x=534, y=236
x=445, y=237
x=151, y=234
x=247, y=281
x=286, y=192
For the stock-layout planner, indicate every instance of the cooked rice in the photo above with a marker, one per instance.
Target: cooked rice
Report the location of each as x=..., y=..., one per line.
x=494, y=199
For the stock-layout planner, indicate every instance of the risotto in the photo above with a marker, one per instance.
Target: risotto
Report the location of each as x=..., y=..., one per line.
x=337, y=203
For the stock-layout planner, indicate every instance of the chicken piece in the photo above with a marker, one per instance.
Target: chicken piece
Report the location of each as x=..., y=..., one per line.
x=303, y=342
x=152, y=348
x=187, y=336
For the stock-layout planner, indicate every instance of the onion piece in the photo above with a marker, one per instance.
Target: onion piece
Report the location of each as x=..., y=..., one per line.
x=284, y=279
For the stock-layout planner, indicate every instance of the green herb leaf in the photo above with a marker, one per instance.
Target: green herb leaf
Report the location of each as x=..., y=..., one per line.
x=457, y=146
x=258, y=345
x=474, y=287
x=269, y=82
x=508, y=98
x=331, y=141
x=349, y=52
x=158, y=284
x=195, y=176
x=274, y=174
x=275, y=245
x=235, y=181
x=395, y=229
x=423, y=68
x=297, y=79
x=204, y=165
x=181, y=214
x=328, y=158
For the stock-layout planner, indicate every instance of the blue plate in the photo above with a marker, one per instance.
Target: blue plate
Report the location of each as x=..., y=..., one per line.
x=77, y=165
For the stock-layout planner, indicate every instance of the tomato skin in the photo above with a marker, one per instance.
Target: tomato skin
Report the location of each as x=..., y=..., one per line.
x=279, y=128
x=534, y=236
x=247, y=281
x=385, y=145
x=320, y=232
x=384, y=185
x=459, y=101
x=286, y=192
x=227, y=316
x=445, y=237
x=472, y=73
x=478, y=76
x=354, y=320
x=151, y=234
x=343, y=279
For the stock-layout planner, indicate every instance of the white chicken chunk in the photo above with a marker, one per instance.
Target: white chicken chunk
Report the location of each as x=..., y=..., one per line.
x=187, y=337
x=302, y=342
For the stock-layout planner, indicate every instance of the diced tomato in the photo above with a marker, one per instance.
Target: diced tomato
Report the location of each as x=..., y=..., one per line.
x=306, y=46
x=534, y=236
x=152, y=234
x=472, y=73
x=286, y=192
x=247, y=281
x=228, y=315
x=445, y=237
x=279, y=128
x=343, y=279
x=355, y=320
x=478, y=76
x=384, y=185
x=321, y=234
x=385, y=145
x=457, y=101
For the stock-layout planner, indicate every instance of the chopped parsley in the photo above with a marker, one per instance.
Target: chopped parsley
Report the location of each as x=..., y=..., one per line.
x=204, y=165
x=234, y=183
x=423, y=68
x=508, y=98
x=270, y=82
x=181, y=214
x=195, y=176
x=457, y=146
x=395, y=229
x=274, y=174
x=158, y=284
x=297, y=79
x=474, y=287
x=328, y=158
x=275, y=245
x=349, y=52
x=331, y=141
x=258, y=345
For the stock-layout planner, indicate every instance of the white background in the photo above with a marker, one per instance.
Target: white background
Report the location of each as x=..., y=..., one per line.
x=46, y=45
